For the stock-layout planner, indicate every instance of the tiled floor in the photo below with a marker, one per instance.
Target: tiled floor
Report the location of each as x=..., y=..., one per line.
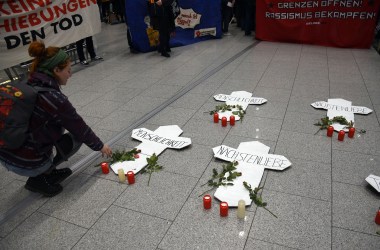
x=322, y=200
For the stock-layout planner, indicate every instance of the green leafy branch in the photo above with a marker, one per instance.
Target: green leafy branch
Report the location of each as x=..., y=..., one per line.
x=224, y=178
x=224, y=107
x=326, y=122
x=119, y=156
x=152, y=166
x=256, y=198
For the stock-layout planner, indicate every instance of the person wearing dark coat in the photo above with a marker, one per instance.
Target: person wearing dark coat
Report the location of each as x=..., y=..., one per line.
x=52, y=115
x=163, y=21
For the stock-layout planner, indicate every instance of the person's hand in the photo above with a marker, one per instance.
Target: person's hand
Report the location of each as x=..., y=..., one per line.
x=106, y=151
x=159, y=2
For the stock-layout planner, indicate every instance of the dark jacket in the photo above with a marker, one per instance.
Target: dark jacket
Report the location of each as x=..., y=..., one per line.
x=162, y=15
x=52, y=114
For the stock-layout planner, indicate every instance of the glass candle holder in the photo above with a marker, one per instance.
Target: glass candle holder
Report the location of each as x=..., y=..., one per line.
x=232, y=120
x=105, y=167
x=207, y=201
x=223, y=209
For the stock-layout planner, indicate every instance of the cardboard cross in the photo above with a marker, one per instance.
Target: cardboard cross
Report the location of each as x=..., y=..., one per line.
x=341, y=107
x=374, y=181
x=242, y=98
x=152, y=142
x=253, y=158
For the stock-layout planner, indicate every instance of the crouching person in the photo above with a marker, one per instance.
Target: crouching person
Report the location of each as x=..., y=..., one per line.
x=47, y=144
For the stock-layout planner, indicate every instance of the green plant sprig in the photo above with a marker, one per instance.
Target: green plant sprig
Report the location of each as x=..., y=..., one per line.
x=224, y=107
x=256, y=198
x=119, y=156
x=221, y=178
x=152, y=166
x=326, y=122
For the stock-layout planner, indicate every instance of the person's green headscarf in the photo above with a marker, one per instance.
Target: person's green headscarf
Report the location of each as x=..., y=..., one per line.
x=47, y=66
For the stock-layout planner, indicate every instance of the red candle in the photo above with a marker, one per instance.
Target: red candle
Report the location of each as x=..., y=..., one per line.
x=207, y=201
x=105, y=167
x=223, y=209
x=130, y=177
x=330, y=131
x=224, y=121
x=216, y=117
x=341, y=135
x=232, y=120
x=377, y=218
x=351, y=132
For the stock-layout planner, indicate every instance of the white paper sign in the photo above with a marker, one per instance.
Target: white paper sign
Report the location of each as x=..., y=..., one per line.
x=153, y=142
x=374, y=181
x=242, y=98
x=341, y=107
x=188, y=19
x=56, y=23
x=253, y=158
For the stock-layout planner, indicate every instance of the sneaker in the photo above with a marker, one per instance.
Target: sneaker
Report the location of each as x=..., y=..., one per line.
x=40, y=184
x=84, y=63
x=58, y=175
x=165, y=54
x=96, y=58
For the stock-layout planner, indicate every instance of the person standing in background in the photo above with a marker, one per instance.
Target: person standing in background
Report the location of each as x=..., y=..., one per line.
x=99, y=2
x=163, y=21
x=248, y=7
x=227, y=11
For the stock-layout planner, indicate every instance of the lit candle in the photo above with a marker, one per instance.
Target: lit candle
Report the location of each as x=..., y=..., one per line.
x=131, y=177
x=224, y=121
x=223, y=209
x=207, y=201
x=330, y=131
x=105, y=167
x=341, y=135
x=232, y=120
x=377, y=218
x=216, y=117
x=351, y=132
x=121, y=174
x=241, y=209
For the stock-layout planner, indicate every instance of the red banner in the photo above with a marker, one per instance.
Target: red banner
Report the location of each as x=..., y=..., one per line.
x=338, y=23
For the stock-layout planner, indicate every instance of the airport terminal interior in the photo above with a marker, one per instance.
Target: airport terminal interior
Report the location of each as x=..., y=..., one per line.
x=322, y=201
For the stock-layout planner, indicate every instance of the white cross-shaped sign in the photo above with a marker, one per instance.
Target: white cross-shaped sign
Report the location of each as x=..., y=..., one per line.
x=341, y=107
x=152, y=142
x=253, y=157
x=242, y=98
x=374, y=181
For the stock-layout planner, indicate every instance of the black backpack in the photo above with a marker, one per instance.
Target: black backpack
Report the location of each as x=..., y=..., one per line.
x=17, y=101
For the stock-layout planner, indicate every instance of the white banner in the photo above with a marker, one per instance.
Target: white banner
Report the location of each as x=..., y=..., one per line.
x=57, y=23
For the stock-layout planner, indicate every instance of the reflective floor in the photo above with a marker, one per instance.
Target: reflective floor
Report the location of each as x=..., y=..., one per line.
x=322, y=201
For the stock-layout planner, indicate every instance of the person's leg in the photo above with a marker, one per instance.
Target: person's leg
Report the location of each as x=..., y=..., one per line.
x=79, y=46
x=224, y=19
x=163, y=36
x=100, y=10
x=248, y=20
x=90, y=47
x=130, y=42
x=66, y=147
